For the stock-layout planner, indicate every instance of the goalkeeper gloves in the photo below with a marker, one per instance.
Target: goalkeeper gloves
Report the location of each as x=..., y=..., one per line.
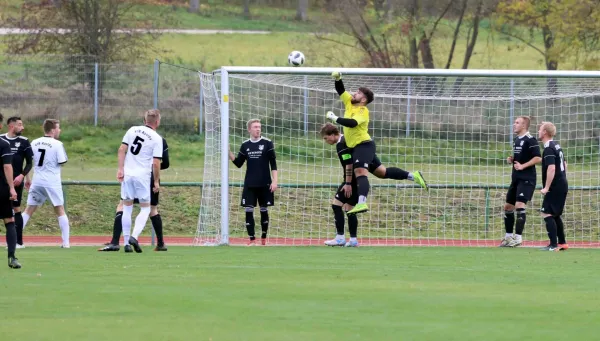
x=331, y=116
x=336, y=75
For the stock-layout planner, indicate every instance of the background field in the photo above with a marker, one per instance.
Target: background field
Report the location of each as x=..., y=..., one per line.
x=302, y=293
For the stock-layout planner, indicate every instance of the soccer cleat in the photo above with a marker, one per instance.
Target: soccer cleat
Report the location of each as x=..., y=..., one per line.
x=563, y=247
x=136, y=246
x=13, y=263
x=128, y=249
x=110, y=247
x=336, y=242
x=515, y=241
x=351, y=243
x=251, y=242
x=359, y=208
x=550, y=248
x=505, y=241
x=160, y=248
x=420, y=180
x=263, y=241
x=65, y=246
x=20, y=246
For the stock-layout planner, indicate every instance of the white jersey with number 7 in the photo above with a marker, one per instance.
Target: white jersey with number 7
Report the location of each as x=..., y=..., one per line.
x=48, y=156
x=144, y=144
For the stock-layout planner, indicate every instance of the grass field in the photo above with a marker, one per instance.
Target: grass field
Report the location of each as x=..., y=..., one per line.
x=280, y=294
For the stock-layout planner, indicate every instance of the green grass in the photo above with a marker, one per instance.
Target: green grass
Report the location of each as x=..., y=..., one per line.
x=301, y=294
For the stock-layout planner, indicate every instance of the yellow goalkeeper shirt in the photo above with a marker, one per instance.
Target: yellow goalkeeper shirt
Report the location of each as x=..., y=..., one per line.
x=360, y=114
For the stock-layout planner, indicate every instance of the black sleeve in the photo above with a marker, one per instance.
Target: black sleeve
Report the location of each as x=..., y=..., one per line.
x=339, y=87
x=164, y=164
x=534, y=147
x=272, y=157
x=6, y=152
x=347, y=122
x=241, y=158
x=28, y=163
x=549, y=157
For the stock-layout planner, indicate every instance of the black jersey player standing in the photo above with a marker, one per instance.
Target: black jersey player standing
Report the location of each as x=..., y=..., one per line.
x=555, y=187
x=260, y=181
x=22, y=154
x=7, y=195
x=526, y=154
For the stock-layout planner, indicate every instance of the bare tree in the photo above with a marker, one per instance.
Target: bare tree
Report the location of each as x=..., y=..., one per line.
x=194, y=6
x=302, y=10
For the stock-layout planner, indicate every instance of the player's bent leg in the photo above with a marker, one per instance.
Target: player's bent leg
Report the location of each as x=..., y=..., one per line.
x=552, y=233
x=19, y=226
x=140, y=222
x=363, y=190
x=338, y=216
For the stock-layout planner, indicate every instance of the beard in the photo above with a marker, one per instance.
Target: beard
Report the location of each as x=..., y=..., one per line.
x=354, y=101
x=18, y=133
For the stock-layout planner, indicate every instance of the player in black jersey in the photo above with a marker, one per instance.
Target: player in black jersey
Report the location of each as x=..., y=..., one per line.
x=155, y=217
x=7, y=195
x=526, y=154
x=555, y=187
x=22, y=153
x=260, y=181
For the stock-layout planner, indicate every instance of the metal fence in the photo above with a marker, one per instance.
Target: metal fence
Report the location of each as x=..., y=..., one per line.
x=77, y=90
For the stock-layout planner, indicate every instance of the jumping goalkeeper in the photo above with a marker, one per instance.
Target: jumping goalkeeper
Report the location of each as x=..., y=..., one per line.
x=355, y=123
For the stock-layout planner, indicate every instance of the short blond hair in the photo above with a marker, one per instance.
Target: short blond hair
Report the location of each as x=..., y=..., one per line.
x=549, y=128
x=251, y=121
x=152, y=116
x=527, y=120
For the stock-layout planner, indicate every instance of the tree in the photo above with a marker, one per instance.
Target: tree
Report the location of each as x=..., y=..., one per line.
x=557, y=30
x=302, y=10
x=194, y=6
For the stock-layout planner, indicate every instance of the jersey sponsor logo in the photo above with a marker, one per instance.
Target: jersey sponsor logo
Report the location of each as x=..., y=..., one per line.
x=247, y=149
x=18, y=144
x=522, y=143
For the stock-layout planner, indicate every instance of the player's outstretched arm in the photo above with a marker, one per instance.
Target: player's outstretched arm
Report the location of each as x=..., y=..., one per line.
x=346, y=122
x=339, y=85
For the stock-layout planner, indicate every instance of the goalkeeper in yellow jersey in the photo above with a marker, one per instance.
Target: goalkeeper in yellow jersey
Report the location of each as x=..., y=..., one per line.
x=356, y=123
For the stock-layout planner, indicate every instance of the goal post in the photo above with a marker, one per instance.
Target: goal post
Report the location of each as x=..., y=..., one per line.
x=452, y=125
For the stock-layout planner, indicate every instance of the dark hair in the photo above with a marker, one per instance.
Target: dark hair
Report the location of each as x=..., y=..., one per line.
x=13, y=119
x=368, y=93
x=329, y=129
x=1, y=118
x=50, y=124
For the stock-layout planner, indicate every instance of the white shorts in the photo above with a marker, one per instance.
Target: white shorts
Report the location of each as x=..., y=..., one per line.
x=38, y=194
x=132, y=188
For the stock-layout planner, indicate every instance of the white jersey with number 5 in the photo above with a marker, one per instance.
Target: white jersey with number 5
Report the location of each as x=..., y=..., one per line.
x=48, y=156
x=143, y=145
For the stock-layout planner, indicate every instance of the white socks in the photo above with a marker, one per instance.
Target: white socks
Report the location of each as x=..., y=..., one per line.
x=63, y=222
x=25, y=217
x=126, y=223
x=140, y=221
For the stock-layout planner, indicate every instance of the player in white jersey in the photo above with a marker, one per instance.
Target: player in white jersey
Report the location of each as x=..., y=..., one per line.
x=139, y=155
x=48, y=157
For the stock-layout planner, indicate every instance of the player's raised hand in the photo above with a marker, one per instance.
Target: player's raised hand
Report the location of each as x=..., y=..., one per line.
x=120, y=175
x=331, y=116
x=336, y=75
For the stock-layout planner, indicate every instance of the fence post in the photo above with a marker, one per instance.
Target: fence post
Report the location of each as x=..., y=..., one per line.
x=408, y=107
x=156, y=67
x=201, y=116
x=305, y=105
x=512, y=109
x=96, y=78
x=487, y=210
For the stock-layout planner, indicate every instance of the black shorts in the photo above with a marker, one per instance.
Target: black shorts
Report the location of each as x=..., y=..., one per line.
x=264, y=196
x=19, y=189
x=364, y=155
x=554, y=201
x=6, y=207
x=521, y=191
x=353, y=200
x=153, y=198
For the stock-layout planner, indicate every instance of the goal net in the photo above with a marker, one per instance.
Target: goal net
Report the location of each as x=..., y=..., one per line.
x=455, y=128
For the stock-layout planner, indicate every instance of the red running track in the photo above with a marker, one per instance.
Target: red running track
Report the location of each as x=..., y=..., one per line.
x=188, y=241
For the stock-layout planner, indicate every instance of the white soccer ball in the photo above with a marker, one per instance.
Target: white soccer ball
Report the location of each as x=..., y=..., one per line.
x=296, y=58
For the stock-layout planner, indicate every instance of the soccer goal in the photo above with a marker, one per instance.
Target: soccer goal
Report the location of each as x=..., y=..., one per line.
x=455, y=126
